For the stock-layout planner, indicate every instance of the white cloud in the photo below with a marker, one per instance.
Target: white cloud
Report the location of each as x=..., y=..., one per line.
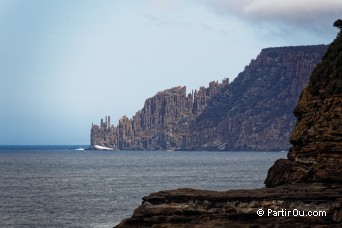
x=288, y=19
x=293, y=9
x=286, y=10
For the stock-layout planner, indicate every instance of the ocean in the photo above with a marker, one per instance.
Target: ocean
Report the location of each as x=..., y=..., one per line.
x=58, y=186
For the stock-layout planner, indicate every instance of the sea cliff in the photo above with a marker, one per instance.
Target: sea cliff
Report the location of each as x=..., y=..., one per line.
x=307, y=183
x=254, y=112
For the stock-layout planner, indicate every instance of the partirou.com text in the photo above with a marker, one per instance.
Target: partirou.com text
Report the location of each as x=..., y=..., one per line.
x=292, y=212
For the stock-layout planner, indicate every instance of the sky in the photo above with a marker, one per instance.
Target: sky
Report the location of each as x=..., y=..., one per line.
x=66, y=64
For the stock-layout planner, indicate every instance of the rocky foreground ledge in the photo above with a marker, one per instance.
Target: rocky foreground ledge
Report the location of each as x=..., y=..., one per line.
x=285, y=205
x=309, y=182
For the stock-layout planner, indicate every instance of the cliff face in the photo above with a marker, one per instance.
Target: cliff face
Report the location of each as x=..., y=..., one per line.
x=252, y=113
x=304, y=190
x=160, y=125
x=316, y=141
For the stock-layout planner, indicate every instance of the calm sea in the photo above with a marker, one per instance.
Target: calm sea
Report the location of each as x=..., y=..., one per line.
x=63, y=187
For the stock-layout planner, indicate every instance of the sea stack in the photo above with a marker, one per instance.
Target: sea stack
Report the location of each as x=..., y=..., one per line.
x=308, y=183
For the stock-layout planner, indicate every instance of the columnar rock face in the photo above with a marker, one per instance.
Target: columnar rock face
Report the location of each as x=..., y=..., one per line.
x=162, y=123
x=254, y=112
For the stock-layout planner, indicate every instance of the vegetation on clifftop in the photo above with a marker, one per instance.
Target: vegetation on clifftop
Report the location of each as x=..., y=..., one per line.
x=331, y=65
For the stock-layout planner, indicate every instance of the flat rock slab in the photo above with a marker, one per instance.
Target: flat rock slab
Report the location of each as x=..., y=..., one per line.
x=283, y=206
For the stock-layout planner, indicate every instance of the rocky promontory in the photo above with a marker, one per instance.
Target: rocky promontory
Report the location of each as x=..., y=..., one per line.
x=160, y=125
x=254, y=112
x=304, y=190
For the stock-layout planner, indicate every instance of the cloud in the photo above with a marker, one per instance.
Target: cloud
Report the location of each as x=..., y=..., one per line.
x=290, y=11
x=283, y=16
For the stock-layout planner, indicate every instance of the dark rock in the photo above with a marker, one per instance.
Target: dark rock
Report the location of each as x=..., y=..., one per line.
x=316, y=141
x=238, y=208
x=276, y=172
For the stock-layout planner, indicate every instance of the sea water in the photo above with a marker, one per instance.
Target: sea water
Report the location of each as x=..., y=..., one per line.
x=64, y=187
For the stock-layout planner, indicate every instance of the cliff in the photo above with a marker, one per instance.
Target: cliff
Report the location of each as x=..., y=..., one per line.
x=304, y=190
x=251, y=113
x=316, y=141
x=255, y=111
x=160, y=125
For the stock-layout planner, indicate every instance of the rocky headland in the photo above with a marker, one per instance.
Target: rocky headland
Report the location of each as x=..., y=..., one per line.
x=309, y=182
x=254, y=112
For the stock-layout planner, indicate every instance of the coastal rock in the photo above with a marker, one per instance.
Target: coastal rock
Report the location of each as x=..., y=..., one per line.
x=254, y=112
x=316, y=152
x=160, y=125
x=283, y=206
x=304, y=190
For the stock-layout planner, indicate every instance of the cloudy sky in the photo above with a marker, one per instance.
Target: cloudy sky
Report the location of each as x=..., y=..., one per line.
x=65, y=64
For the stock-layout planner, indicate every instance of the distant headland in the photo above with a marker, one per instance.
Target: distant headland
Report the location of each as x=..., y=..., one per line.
x=254, y=112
